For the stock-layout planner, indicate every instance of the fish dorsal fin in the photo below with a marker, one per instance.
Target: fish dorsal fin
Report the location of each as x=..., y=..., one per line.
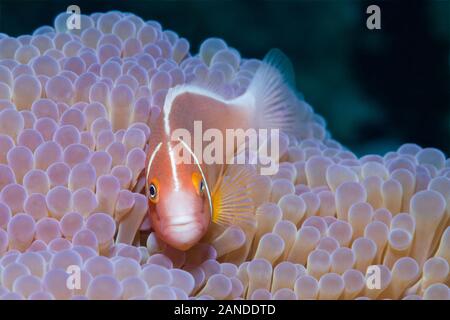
x=278, y=60
x=275, y=102
x=232, y=202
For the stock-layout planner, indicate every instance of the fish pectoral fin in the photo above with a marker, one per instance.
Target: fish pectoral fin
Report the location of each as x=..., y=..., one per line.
x=232, y=201
x=214, y=174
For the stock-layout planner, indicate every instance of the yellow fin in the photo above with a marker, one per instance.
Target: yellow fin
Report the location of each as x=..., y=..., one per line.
x=231, y=198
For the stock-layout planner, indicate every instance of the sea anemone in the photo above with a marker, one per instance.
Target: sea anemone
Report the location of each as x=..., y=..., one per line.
x=76, y=111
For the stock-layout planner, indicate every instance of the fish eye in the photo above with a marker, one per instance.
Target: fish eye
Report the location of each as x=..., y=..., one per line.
x=153, y=192
x=201, y=187
x=199, y=183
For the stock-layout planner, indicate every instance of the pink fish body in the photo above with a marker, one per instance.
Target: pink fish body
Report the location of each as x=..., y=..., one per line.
x=184, y=198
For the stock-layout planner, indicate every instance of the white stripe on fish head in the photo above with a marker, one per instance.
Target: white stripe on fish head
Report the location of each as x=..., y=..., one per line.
x=173, y=166
x=152, y=157
x=208, y=192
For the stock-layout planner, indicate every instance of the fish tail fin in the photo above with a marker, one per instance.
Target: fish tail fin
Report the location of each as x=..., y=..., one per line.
x=275, y=102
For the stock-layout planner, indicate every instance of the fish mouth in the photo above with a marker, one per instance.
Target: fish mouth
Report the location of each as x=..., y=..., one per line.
x=180, y=221
x=183, y=236
x=182, y=224
x=190, y=227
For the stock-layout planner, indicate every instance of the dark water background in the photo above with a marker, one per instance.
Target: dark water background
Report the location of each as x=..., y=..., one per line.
x=377, y=89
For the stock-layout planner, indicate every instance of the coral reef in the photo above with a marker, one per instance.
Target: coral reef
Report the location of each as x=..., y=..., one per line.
x=76, y=109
